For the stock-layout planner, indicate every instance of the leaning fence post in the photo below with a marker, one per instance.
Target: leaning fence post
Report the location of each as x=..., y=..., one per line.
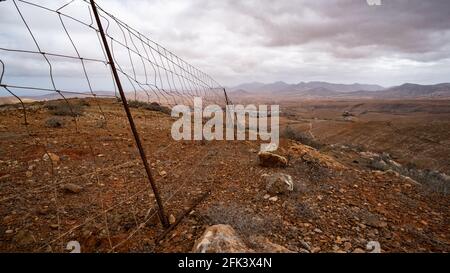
x=162, y=215
x=226, y=97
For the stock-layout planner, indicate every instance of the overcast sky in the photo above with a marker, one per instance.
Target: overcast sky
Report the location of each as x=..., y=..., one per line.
x=343, y=41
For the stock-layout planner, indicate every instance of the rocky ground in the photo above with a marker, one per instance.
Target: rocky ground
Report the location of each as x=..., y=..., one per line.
x=83, y=181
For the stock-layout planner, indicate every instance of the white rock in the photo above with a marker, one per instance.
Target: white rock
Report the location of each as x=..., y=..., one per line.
x=220, y=239
x=279, y=183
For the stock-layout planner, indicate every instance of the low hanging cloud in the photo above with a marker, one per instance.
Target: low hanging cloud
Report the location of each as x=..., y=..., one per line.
x=261, y=40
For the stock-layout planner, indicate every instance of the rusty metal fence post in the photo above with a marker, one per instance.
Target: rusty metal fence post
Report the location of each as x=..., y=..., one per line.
x=226, y=97
x=162, y=215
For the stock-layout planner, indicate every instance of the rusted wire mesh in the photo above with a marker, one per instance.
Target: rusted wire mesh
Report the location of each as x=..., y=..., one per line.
x=68, y=166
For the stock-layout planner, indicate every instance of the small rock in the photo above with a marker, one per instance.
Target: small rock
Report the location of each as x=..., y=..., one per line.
x=273, y=199
x=411, y=181
x=347, y=246
x=44, y=210
x=54, y=226
x=279, y=183
x=51, y=156
x=305, y=245
x=315, y=249
x=23, y=238
x=172, y=219
x=9, y=231
x=392, y=173
x=316, y=230
x=381, y=164
x=266, y=196
x=373, y=247
x=374, y=221
x=163, y=173
x=71, y=188
x=8, y=219
x=5, y=177
x=28, y=174
x=358, y=250
x=268, y=159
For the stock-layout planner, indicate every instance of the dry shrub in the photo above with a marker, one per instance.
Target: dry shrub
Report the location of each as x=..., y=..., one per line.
x=54, y=122
x=245, y=222
x=304, y=138
x=63, y=108
x=153, y=106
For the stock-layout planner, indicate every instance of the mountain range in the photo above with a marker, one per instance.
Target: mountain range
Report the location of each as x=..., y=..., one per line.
x=303, y=90
x=319, y=89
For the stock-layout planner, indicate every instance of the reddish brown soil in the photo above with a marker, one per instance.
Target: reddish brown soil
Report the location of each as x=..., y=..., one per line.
x=331, y=209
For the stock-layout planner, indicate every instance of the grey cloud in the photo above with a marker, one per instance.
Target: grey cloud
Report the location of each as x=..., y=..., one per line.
x=262, y=40
x=398, y=26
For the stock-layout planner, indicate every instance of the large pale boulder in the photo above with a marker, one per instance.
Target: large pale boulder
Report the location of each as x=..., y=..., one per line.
x=220, y=239
x=311, y=155
x=224, y=239
x=268, y=159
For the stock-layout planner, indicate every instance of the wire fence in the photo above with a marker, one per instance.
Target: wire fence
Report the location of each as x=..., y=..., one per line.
x=69, y=169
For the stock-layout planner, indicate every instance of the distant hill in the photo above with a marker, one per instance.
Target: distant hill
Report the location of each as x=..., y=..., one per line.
x=339, y=87
x=279, y=87
x=250, y=87
x=240, y=92
x=317, y=90
x=417, y=91
x=53, y=96
x=309, y=93
x=12, y=100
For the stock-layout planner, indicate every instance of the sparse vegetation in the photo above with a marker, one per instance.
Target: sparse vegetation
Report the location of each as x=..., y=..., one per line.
x=432, y=180
x=153, y=106
x=100, y=123
x=63, y=108
x=84, y=102
x=304, y=138
x=303, y=211
x=54, y=122
x=244, y=222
